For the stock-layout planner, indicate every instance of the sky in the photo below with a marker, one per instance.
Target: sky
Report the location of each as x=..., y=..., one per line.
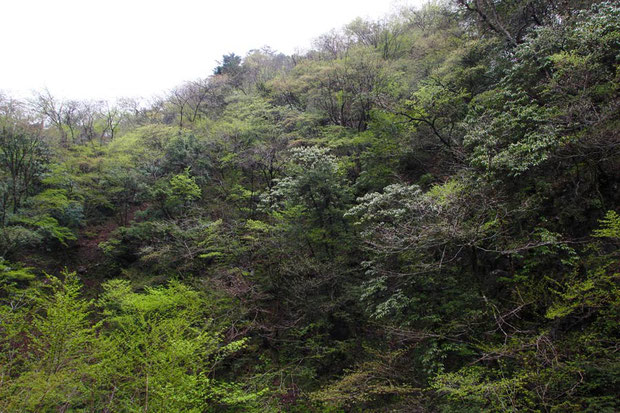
x=104, y=49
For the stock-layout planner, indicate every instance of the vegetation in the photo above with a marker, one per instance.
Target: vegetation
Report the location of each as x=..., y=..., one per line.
x=419, y=214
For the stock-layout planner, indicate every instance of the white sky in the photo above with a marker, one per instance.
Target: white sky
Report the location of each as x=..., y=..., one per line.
x=91, y=49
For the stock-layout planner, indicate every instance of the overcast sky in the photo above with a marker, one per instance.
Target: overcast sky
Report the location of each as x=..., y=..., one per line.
x=91, y=49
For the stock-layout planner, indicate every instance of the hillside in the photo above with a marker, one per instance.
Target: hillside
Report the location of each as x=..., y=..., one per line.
x=420, y=214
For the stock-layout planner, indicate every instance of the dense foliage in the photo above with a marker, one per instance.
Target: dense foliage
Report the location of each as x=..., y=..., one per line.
x=419, y=214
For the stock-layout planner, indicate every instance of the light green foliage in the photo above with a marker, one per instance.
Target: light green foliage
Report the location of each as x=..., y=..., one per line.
x=15, y=312
x=156, y=350
x=175, y=195
x=79, y=178
x=13, y=277
x=184, y=187
x=58, y=203
x=62, y=340
x=49, y=227
x=367, y=383
x=142, y=146
x=610, y=226
x=161, y=346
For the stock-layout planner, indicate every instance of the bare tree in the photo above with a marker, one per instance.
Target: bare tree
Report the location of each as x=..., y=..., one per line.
x=113, y=115
x=52, y=111
x=179, y=97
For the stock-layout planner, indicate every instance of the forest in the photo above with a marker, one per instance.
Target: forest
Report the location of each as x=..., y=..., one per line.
x=421, y=213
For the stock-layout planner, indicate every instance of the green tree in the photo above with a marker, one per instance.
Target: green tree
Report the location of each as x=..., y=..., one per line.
x=161, y=350
x=22, y=161
x=62, y=349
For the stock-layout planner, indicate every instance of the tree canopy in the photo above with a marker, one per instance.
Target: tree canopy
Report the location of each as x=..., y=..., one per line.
x=420, y=213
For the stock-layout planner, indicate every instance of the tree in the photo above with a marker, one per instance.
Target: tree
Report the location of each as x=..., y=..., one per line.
x=53, y=111
x=316, y=186
x=161, y=350
x=230, y=65
x=344, y=90
x=113, y=117
x=58, y=370
x=231, y=68
x=22, y=161
x=512, y=19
